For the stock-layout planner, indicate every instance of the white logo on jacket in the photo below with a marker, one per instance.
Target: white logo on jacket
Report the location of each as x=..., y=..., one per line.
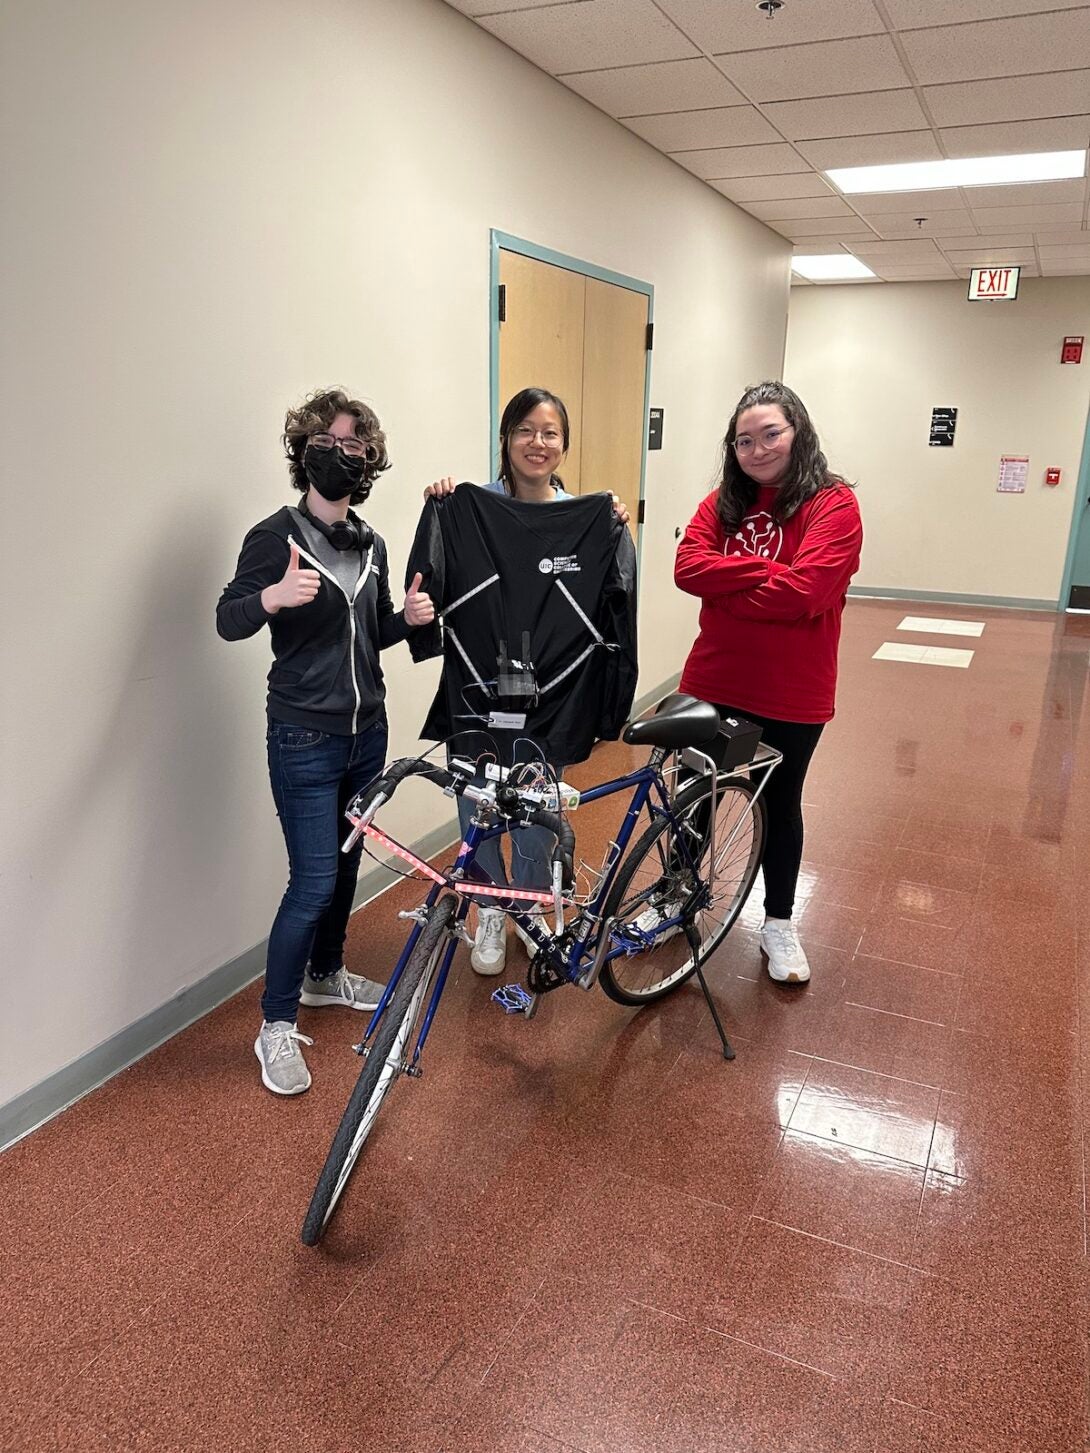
x=759, y=535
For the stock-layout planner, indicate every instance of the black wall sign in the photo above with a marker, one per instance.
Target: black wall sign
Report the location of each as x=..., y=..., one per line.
x=943, y=423
x=654, y=430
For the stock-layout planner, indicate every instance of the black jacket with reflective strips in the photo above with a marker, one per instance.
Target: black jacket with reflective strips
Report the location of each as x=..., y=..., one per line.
x=325, y=672
x=565, y=574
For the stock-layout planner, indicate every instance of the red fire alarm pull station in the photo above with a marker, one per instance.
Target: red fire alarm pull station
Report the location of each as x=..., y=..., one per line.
x=1071, y=352
x=1052, y=476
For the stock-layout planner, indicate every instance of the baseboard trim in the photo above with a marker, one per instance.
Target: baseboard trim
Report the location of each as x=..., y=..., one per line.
x=31, y=1109
x=945, y=597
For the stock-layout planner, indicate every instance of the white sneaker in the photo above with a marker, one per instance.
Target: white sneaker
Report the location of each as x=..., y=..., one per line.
x=538, y=915
x=490, y=945
x=783, y=953
x=283, y=1068
x=650, y=918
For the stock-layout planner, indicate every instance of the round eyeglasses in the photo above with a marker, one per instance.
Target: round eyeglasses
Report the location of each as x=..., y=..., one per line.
x=353, y=447
x=768, y=438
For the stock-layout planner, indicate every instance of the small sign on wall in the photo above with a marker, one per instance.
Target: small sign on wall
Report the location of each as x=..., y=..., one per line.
x=993, y=284
x=654, y=429
x=943, y=424
x=1013, y=471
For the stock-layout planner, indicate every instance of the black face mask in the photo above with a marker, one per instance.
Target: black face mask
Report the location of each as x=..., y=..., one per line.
x=332, y=474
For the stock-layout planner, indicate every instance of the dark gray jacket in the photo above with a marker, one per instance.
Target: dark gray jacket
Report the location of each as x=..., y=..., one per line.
x=325, y=672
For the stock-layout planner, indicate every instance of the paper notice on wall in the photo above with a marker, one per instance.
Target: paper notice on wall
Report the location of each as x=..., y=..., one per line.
x=1013, y=470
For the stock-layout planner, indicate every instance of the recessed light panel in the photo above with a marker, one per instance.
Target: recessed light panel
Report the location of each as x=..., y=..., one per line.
x=970, y=171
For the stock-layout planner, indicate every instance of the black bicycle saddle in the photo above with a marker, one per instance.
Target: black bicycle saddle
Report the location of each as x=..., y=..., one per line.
x=681, y=721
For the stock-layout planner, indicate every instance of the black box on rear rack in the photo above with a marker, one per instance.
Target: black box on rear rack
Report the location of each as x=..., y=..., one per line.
x=735, y=745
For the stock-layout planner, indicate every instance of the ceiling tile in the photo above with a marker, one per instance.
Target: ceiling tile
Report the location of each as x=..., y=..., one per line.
x=847, y=115
x=764, y=189
x=1027, y=270
x=842, y=228
x=828, y=68
x=690, y=130
x=992, y=239
x=790, y=207
x=1052, y=253
x=718, y=27
x=871, y=150
x=821, y=247
x=998, y=218
x=478, y=8
x=941, y=199
x=1010, y=98
x=1009, y=138
x=807, y=246
x=893, y=273
x=666, y=86
x=739, y=161
x=1026, y=194
x=1051, y=236
x=912, y=14
x=594, y=33
x=1024, y=46
x=909, y=251
x=1065, y=269
x=947, y=224
x=983, y=257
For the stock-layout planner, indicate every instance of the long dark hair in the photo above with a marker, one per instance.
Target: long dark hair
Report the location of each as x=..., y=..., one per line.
x=807, y=472
x=314, y=416
x=525, y=402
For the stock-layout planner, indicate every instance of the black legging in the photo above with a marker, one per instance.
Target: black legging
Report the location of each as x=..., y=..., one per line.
x=783, y=805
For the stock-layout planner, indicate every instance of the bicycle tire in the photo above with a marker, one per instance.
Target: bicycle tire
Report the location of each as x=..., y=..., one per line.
x=670, y=962
x=380, y=1069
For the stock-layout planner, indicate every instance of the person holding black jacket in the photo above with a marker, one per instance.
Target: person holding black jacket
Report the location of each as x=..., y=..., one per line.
x=316, y=574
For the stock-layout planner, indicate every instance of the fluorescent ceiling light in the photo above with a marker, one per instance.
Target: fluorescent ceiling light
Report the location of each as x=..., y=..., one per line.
x=830, y=267
x=970, y=171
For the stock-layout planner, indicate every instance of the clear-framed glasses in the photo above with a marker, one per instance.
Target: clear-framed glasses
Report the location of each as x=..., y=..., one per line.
x=768, y=438
x=353, y=447
x=526, y=434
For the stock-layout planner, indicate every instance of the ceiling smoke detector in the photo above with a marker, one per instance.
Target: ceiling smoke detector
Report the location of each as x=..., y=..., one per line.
x=770, y=6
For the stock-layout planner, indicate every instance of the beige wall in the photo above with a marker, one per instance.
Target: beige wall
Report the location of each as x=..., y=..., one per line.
x=210, y=209
x=872, y=360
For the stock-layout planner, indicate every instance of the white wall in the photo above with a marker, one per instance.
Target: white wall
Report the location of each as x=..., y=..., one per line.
x=872, y=360
x=210, y=209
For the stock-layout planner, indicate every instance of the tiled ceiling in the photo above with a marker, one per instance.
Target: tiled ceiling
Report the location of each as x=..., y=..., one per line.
x=758, y=107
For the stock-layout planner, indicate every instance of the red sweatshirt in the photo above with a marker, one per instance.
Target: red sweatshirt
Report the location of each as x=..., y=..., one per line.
x=772, y=600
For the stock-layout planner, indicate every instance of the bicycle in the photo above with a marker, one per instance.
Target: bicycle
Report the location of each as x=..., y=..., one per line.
x=650, y=920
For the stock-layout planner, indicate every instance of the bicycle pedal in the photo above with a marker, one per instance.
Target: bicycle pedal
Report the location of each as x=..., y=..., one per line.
x=514, y=999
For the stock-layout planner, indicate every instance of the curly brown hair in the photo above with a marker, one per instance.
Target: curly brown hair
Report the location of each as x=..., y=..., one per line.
x=315, y=415
x=808, y=470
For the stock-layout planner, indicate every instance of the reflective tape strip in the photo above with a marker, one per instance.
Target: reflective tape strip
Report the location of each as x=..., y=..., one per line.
x=469, y=595
x=568, y=670
x=461, y=651
x=581, y=613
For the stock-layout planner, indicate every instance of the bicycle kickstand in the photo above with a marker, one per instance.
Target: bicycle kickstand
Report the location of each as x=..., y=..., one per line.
x=728, y=1048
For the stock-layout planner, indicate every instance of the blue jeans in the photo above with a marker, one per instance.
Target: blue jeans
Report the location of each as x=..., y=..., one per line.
x=530, y=848
x=314, y=775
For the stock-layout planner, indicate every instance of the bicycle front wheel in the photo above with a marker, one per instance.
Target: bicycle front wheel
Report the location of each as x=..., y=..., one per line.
x=656, y=881
x=381, y=1068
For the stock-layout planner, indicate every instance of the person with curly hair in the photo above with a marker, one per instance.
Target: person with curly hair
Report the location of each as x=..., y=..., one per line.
x=770, y=554
x=316, y=574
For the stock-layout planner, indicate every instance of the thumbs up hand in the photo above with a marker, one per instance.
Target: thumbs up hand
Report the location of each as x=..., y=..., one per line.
x=295, y=587
x=419, y=610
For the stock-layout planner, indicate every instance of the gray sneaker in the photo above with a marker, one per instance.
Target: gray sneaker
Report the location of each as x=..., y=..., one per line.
x=350, y=991
x=283, y=1068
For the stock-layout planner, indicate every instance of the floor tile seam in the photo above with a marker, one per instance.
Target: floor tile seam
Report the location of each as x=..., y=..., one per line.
x=882, y=1075
x=829, y=1059
x=893, y=1013
x=846, y=1246
x=514, y=1328
x=844, y=1144
x=907, y=964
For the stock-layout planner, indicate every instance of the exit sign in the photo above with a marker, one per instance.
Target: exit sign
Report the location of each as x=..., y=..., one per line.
x=993, y=284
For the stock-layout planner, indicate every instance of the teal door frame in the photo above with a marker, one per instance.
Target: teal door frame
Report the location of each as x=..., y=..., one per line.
x=1078, y=514
x=503, y=241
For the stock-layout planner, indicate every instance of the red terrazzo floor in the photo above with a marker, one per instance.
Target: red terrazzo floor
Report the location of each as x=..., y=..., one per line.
x=866, y=1235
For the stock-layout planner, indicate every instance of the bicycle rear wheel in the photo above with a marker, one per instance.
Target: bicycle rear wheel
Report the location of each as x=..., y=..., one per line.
x=381, y=1068
x=655, y=881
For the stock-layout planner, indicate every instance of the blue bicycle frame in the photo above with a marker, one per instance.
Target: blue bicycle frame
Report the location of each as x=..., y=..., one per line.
x=582, y=955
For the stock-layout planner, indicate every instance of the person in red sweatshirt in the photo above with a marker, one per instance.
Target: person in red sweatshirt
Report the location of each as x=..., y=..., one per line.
x=770, y=554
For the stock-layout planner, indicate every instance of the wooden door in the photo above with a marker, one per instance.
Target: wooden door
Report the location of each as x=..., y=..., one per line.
x=614, y=373
x=541, y=341
x=585, y=340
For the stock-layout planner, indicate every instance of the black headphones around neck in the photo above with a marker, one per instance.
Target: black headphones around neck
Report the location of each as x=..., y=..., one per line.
x=347, y=534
